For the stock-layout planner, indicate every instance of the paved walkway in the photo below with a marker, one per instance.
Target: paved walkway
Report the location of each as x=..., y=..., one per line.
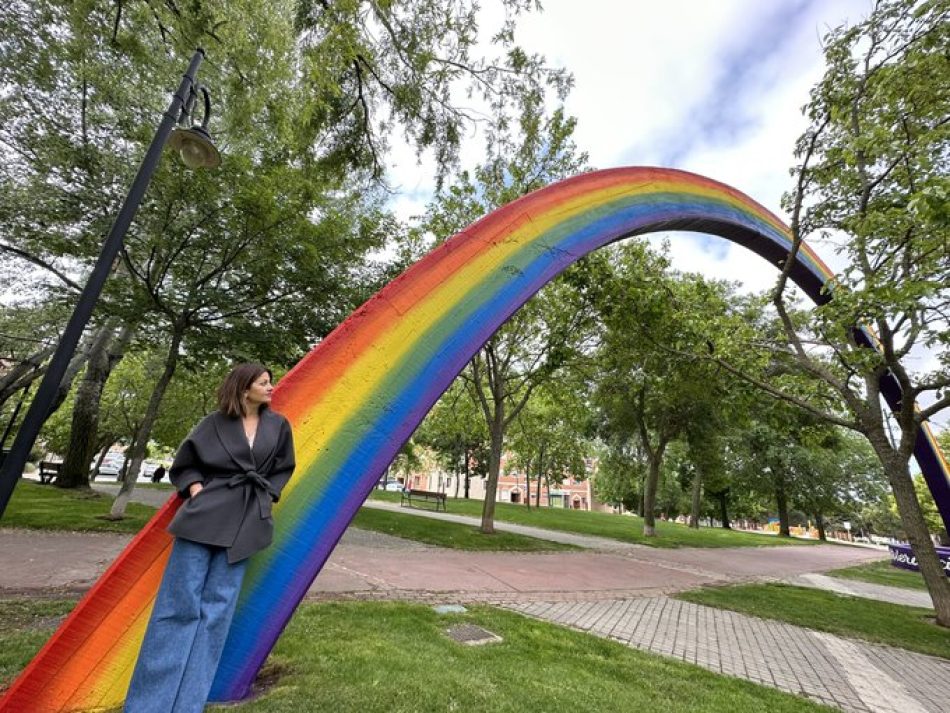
x=866, y=590
x=614, y=590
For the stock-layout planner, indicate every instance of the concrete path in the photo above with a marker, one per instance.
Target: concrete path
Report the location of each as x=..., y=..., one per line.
x=866, y=590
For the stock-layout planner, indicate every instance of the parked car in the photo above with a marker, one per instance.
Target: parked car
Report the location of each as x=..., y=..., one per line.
x=112, y=469
x=111, y=465
x=148, y=467
x=394, y=486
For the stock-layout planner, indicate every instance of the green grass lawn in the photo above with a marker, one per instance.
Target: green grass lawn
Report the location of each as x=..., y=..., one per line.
x=905, y=627
x=46, y=507
x=882, y=573
x=25, y=625
x=387, y=657
x=450, y=534
x=616, y=527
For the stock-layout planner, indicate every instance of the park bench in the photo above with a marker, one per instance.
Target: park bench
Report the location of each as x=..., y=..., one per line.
x=49, y=471
x=424, y=496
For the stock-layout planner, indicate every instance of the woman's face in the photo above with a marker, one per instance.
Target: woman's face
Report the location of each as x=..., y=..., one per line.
x=259, y=392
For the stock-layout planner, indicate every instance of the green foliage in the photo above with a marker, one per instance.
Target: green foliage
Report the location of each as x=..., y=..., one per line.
x=817, y=468
x=455, y=431
x=621, y=471
x=550, y=439
x=265, y=255
x=655, y=383
x=382, y=68
x=872, y=177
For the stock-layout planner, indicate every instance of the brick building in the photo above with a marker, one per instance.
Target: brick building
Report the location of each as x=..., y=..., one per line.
x=575, y=493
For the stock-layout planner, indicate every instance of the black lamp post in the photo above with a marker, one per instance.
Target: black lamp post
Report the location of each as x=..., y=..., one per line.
x=197, y=151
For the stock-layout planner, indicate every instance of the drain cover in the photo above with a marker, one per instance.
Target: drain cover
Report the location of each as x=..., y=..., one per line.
x=471, y=635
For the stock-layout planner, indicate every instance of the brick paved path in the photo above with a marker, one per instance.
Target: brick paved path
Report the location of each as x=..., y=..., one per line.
x=850, y=675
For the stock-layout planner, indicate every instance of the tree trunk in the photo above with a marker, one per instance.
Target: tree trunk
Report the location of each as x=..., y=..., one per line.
x=85, y=421
x=820, y=524
x=24, y=373
x=649, y=495
x=75, y=364
x=104, y=355
x=103, y=452
x=697, y=499
x=12, y=421
x=540, y=475
x=912, y=520
x=137, y=455
x=723, y=497
x=494, y=469
x=527, y=487
x=781, y=502
x=468, y=473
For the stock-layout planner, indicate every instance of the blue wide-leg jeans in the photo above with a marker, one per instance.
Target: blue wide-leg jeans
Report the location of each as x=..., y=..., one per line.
x=186, y=634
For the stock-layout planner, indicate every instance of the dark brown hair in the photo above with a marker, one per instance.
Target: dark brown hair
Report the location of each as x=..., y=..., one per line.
x=239, y=380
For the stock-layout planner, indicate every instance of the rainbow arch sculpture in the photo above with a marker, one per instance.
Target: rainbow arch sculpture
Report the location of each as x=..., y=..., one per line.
x=360, y=394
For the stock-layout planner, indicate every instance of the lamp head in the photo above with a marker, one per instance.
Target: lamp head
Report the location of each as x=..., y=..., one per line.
x=196, y=147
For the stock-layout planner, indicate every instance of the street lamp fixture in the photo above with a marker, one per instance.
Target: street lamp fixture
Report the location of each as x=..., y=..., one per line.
x=194, y=143
x=196, y=148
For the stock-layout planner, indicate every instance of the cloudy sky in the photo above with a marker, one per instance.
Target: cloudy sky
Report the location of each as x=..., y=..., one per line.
x=714, y=87
x=711, y=87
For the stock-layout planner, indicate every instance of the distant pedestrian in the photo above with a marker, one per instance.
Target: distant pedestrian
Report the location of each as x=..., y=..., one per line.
x=158, y=474
x=230, y=470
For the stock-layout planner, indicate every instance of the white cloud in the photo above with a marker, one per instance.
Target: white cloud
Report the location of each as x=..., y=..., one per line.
x=714, y=88
x=710, y=87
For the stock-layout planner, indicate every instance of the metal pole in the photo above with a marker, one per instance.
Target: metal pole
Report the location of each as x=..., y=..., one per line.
x=13, y=464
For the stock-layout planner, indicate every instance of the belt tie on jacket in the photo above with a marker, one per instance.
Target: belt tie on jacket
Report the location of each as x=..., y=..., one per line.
x=262, y=490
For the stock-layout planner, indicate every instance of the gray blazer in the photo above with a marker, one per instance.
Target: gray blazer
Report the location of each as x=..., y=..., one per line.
x=240, y=483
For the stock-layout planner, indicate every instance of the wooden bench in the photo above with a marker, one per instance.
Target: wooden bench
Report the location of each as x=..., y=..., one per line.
x=49, y=471
x=425, y=496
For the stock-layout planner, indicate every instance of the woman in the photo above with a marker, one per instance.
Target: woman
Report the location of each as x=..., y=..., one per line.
x=230, y=469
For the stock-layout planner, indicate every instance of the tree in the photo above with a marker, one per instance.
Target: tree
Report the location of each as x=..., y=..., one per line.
x=841, y=476
x=872, y=175
x=621, y=473
x=106, y=351
x=648, y=389
x=545, y=334
x=455, y=431
x=298, y=193
x=551, y=440
x=541, y=340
